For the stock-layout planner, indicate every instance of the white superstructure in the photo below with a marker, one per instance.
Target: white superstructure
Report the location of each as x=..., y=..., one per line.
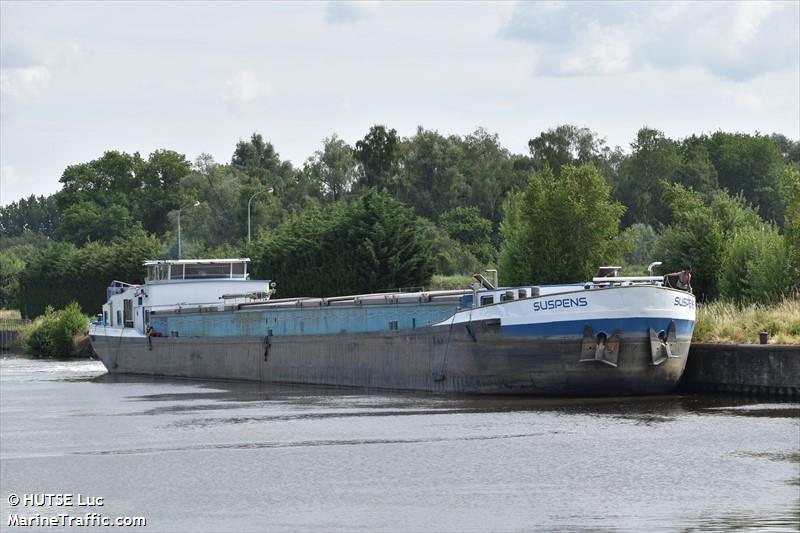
x=175, y=284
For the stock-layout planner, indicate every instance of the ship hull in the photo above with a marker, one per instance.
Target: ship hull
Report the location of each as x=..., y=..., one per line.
x=480, y=357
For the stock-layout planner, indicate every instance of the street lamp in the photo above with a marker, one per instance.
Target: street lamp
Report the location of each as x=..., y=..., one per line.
x=196, y=203
x=248, y=210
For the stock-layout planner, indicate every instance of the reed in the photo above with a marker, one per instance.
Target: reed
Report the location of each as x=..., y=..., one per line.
x=728, y=322
x=439, y=283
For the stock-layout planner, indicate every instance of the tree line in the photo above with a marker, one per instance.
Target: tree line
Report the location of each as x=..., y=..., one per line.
x=390, y=211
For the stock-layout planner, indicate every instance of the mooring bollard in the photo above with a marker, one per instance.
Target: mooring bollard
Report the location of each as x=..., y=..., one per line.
x=763, y=336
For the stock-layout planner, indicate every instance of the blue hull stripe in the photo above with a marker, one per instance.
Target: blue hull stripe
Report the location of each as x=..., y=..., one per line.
x=638, y=325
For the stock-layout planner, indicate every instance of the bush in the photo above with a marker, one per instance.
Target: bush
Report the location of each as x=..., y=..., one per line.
x=700, y=235
x=53, y=334
x=450, y=256
x=755, y=266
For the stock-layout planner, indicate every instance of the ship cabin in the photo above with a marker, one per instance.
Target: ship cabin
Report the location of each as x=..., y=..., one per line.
x=170, y=285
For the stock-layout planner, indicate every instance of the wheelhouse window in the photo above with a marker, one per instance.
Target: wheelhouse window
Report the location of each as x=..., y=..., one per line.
x=184, y=270
x=176, y=272
x=208, y=270
x=487, y=300
x=238, y=270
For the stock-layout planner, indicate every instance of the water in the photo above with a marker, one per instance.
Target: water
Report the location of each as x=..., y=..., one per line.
x=213, y=456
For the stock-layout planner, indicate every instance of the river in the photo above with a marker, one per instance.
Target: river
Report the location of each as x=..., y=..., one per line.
x=218, y=456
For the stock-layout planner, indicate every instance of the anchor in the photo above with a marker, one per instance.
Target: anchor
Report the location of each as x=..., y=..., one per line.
x=661, y=344
x=599, y=347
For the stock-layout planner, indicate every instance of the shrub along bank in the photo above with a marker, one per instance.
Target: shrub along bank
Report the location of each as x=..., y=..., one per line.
x=56, y=332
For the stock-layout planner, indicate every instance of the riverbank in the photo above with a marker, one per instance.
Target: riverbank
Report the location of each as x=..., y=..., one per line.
x=770, y=369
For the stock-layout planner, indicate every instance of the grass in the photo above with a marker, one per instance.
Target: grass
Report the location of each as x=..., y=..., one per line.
x=727, y=322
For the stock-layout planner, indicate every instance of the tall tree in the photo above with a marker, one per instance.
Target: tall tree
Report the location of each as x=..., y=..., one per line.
x=334, y=167
x=489, y=173
x=373, y=243
x=696, y=172
x=431, y=180
x=36, y=213
x=790, y=186
x=750, y=165
x=560, y=229
x=161, y=176
x=377, y=153
x=654, y=161
x=570, y=145
x=259, y=160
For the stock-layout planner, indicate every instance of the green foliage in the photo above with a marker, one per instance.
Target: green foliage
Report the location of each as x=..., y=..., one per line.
x=467, y=226
x=560, y=230
x=697, y=172
x=642, y=239
x=53, y=334
x=754, y=268
x=789, y=149
x=430, y=180
x=334, y=167
x=570, y=145
x=653, y=162
x=450, y=256
x=377, y=153
x=750, y=165
x=11, y=268
x=161, y=179
x=63, y=272
x=790, y=187
x=87, y=221
x=33, y=214
x=699, y=236
x=117, y=193
x=370, y=244
x=258, y=160
x=462, y=182
x=446, y=283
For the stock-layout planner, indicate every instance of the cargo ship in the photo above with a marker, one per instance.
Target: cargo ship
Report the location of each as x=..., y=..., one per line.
x=206, y=319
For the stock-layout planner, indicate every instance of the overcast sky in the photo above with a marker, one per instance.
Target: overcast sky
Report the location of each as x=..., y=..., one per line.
x=78, y=79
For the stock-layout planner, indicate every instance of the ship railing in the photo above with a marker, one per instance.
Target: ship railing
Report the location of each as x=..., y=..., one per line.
x=118, y=287
x=628, y=280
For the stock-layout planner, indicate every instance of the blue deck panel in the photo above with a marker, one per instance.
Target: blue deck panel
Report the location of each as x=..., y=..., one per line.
x=302, y=321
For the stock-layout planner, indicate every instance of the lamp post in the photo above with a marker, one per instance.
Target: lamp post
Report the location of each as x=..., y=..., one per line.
x=196, y=203
x=248, y=210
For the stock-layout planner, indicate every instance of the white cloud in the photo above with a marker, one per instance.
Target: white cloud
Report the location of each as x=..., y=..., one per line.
x=733, y=40
x=24, y=84
x=28, y=70
x=243, y=90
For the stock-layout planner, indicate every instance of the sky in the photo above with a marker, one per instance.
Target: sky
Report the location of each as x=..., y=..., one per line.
x=79, y=79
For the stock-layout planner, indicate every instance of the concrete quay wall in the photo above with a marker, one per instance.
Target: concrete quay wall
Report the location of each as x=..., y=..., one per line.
x=744, y=368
